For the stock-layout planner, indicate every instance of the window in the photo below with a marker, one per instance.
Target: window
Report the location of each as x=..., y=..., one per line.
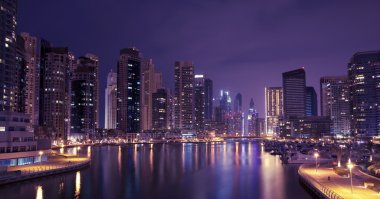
x=2, y=128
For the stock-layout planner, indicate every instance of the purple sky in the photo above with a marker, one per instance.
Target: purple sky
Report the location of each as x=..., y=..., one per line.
x=243, y=45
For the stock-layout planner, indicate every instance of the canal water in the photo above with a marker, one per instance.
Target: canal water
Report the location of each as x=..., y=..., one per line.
x=225, y=170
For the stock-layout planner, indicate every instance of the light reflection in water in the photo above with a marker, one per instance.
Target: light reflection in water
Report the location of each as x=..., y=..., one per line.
x=89, y=151
x=39, y=194
x=77, y=184
x=151, y=158
x=119, y=159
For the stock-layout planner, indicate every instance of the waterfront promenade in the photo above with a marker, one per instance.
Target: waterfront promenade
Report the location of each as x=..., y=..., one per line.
x=55, y=165
x=331, y=185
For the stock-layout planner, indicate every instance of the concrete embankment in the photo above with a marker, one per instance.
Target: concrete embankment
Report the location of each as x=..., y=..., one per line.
x=43, y=171
x=316, y=188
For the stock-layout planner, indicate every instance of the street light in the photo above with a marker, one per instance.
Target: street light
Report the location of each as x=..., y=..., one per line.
x=316, y=155
x=40, y=153
x=350, y=166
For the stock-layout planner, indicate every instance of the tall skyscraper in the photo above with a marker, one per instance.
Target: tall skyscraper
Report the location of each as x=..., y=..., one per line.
x=209, y=96
x=84, y=98
x=32, y=78
x=199, y=103
x=294, y=91
x=9, y=69
x=128, y=90
x=21, y=71
x=237, y=123
x=364, y=76
x=335, y=103
x=151, y=81
x=160, y=110
x=55, y=91
x=111, y=101
x=252, y=118
x=311, y=107
x=223, y=113
x=184, y=95
x=274, y=109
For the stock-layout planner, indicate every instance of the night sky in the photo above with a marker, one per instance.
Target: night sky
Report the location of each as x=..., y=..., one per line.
x=242, y=45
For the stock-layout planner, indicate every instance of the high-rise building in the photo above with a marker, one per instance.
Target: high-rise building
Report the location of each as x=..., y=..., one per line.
x=209, y=96
x=184, y=95
x=9, y=69
x=274, y=109
x=224, y=114
x=21, y=71
x=252, y=118
x=84, y=98
x=32, y=77
x=129, y=90
x=150, y=82
x=160, y=110
x=364, y=76
x=335, y=103
x=294, y=92
x=238, y=117
x=311, y=107
x=199, y=103
x=55, y=91
x=110, y=101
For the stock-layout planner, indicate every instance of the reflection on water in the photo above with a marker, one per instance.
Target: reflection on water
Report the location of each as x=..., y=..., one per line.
x=77, y=184
x=39, y=194
x=231, y=169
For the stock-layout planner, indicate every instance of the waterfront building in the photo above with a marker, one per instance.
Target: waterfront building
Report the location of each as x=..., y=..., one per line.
x=335, y=103
x=150, y=82
x=9, y=67
x=184, y=95
x=311, y=107
x=364, y=77
x=110, y=101
x=56, y=66
x=274, y=109
x=199, y=102
x=160, y=110
x=84, y=98
x=32, y=76
x=305, y=127
x=129, y=91
x=294, y=93
x=17, y=143
x=209, y=96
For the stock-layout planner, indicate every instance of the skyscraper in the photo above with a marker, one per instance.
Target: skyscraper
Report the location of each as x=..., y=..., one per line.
x=237, y=123
x=364, y=76
x=223, y=113
x=184, y=95
x=274, y=109
x=160, y=110
x=32, y=78
x=111, y=101
x=209, y=96
x=335, y=103
x=294, y=91
x=199, y=102
x=151, y=81
x=84, y=98
x=128, y=90
x=9, y=69
x=252, y=118
x=311, y=107
x=55, y=91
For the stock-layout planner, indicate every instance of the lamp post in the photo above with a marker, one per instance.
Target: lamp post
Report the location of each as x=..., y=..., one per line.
x=316, y=155
x=40, y=153
x=350, y=166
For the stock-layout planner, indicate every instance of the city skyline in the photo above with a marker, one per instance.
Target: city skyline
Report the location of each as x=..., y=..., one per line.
x=268, y=44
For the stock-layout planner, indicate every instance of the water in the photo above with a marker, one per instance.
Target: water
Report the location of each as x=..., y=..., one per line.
x=233, y=169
